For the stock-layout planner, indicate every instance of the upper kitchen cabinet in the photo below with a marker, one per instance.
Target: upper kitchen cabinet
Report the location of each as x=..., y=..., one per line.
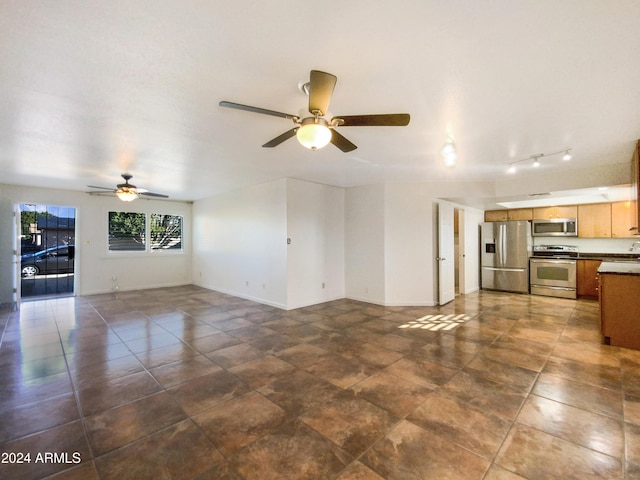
x=565, y=211
x=506, y=215
x=624, y=219
x=496, y=216
x=520, y=214
x=594, y=220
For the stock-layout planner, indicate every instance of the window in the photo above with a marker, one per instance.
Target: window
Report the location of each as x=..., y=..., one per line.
x=127, y=231
x=166, y=232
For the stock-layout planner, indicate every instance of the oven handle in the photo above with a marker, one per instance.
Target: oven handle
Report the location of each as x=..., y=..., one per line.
x=555, y=262
x=502, y=269
x=568, y=289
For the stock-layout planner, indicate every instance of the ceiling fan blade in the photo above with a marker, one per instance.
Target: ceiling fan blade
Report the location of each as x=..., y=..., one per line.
x=264, y=111
x=151, y=194
x=382, y=120
x=321, y=87
x=281, y=138
x=341, y=142
x=112, y=192
x=103, y=188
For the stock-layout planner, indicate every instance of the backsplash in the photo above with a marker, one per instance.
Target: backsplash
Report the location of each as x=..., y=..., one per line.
x=592, y=245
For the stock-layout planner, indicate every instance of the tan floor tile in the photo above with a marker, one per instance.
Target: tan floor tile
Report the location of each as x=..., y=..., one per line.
x=294, y=451
x=208, y=391
x=409, y=452
x=595, y=399
x=535, y=454
x=394, y=394
x=162, y=455
x=241, y=421
x=582, y=427
x=351, y=423
x=114, y=428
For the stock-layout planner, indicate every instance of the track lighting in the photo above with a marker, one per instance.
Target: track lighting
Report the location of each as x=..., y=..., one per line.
x=536, y=159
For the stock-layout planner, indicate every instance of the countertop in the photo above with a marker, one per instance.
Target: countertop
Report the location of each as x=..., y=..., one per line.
x=608, y=257
x=620, y=268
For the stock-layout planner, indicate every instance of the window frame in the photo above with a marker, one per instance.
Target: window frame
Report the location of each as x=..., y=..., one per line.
x=147, y=250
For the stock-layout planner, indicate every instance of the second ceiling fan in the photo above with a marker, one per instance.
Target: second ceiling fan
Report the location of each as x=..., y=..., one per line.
x=316, y=131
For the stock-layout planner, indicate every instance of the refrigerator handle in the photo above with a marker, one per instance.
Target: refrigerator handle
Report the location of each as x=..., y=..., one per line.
x=503, y=244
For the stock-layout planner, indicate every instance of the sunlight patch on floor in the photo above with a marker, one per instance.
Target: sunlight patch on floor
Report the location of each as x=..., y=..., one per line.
x=438, y=322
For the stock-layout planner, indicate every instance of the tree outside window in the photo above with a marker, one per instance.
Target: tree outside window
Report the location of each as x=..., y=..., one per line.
x=127, y=231
x=166, y=232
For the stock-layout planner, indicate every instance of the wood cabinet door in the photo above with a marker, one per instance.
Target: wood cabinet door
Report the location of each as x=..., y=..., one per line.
x=623, y=219
x=564, y=211
x=587, y=273
x=594, y=220
x=520, y=214
x=496, y=216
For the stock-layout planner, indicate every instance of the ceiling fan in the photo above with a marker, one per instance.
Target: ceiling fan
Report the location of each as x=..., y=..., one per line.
x=315, y=131
x=126, y=191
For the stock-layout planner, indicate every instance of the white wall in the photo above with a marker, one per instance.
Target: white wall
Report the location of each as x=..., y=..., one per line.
x=239, y=243
x=409, y=247
x=315, y=257
x=95, y=265
x=364, y=243
x=391, y=239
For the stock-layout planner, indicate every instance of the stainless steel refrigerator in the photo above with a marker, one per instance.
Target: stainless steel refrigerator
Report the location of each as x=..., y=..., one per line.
x=504, y=260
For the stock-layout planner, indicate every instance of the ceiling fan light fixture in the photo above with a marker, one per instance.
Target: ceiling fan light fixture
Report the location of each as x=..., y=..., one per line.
x=314, y=133
x=126, y=194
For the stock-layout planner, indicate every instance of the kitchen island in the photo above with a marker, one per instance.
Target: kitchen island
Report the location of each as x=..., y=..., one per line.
x=619, y=288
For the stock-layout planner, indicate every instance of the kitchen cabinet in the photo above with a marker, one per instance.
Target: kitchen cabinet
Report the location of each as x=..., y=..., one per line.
x=623, y=219
x=496, y=216
x=587, y=278
x=594, y=220
x=619, y=307
x=564, y=211
x=635, y=184
x=507, y=215
x=520, y=214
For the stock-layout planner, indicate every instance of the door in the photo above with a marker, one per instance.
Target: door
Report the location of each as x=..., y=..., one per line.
x=47, y=239
x=461, y=255
x=446, y=258
x=16, y=258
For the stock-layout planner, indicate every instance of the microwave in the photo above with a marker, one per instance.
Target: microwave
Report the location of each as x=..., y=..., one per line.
x=555, y=227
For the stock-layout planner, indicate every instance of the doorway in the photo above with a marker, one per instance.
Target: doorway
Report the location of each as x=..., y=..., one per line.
x=459, y=251
x=47, y=250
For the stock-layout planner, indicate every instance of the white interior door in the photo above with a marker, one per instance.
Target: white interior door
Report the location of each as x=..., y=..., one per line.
x=446, y=258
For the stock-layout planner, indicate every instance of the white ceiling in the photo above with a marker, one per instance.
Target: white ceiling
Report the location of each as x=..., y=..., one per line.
x=90, y=90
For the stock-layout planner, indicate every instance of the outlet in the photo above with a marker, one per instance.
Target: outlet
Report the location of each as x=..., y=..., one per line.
x=200, y=273
x=264, y=286
x=322, y=284
x=366, y=289
x=247, y=283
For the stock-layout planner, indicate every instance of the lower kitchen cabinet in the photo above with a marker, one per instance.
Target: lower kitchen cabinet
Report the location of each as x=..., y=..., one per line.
x=619, y=307
x=587, y=278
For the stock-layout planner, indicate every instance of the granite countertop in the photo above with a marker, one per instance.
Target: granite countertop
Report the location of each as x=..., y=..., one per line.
x=609, y=256
x=620, y=268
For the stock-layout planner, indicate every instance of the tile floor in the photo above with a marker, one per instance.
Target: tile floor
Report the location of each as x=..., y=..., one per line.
x=189, y=383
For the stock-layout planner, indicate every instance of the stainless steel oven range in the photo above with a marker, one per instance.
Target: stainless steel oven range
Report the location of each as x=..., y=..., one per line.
x=552, y=271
